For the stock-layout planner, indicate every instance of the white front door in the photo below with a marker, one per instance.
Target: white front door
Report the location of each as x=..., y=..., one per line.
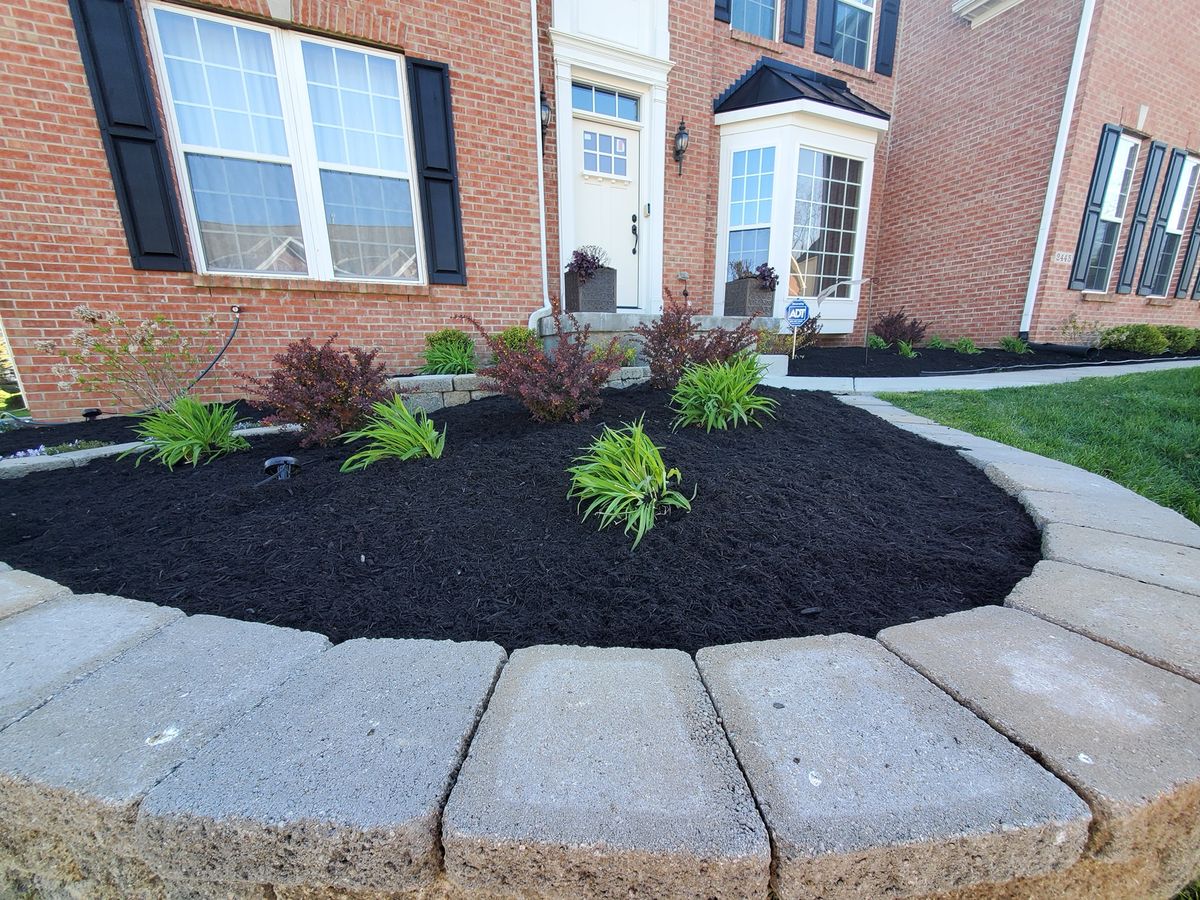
x=608, y=199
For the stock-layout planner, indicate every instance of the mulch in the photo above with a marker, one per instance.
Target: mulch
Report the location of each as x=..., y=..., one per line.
x=826, y=520
x=855, y=362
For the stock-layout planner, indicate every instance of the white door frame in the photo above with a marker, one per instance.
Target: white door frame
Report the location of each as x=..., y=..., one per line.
x=596, y=62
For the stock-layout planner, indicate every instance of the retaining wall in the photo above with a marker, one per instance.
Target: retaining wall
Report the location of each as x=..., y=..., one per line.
x=433, y=392
x=1044, y=748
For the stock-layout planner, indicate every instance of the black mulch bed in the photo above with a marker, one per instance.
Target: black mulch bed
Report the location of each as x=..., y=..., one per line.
x=854, y=362
x=827, y=520
x=114, y=429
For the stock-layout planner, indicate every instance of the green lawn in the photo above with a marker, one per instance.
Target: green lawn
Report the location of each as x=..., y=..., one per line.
x=12, y=403
x=1142, y=431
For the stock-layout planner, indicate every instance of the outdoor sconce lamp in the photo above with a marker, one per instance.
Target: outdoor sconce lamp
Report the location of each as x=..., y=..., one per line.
x=681, y=144
x=544, y=113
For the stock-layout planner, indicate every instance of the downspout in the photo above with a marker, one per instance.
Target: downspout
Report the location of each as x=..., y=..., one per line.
x=1056, y=166
x=538, y=314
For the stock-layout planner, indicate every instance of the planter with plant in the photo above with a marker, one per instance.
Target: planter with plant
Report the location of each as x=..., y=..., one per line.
x=750, y=291
x=590, y=285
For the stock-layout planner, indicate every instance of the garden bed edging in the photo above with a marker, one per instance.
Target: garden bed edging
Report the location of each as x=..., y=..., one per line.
x=1071, y=771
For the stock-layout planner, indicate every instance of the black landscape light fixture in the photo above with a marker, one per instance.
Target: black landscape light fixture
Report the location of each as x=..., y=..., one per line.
x=544, y=114
x=91, y=415
x=279, y=468
x=681, y=144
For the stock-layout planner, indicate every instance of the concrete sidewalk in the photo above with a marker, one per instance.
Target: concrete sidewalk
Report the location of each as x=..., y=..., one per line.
x=980, y=382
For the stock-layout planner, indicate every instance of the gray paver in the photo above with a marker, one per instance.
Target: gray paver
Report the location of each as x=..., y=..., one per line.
x=1154, y=562
x=363, y=745
x=1014, y=478
x=1121, y=732
x=21, y=590
x=45, y=648
x=1135, y=516
x=603, y=773
x=1153, y=623
x=874, y=783
x=77, y=767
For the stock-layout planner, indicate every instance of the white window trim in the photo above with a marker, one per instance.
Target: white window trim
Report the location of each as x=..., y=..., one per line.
x=286, y=48
x=1125, y=140
x=1190, y=164
x=776, y=24
x=788, y=127
x=871, y=11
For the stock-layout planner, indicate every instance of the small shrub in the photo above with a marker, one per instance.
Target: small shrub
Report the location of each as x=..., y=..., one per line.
x=875, y=342
x=1145, y=339
x=1076, y=332
x=325, y=391
x=896, y=326
x=188, y=431
x=395, y=432
x=622, y=478
x=905, y=349
x=674, y=341
x=555, y=386
x=1180, y=339
x=721, y=395
x=936, y=343
x=966, y=345
x=1014, y=345
x=448, y=352
x=587, y=261
x=782, y=342
x=517, y=337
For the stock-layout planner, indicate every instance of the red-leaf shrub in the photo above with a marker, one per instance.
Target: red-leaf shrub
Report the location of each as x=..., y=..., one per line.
x=675, y=340
x=326, y=391
x=555, y=386
x=896, y=327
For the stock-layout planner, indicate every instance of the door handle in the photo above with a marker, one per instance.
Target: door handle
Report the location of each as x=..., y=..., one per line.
x=635, y=234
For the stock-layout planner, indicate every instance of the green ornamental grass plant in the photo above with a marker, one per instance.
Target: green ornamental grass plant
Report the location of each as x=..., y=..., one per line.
x=622, y=478
x=966, y=345
x=448, y=352
x=936, y=343
x=875, y=342
x=905, y=349
x=1014, y=345
x=395, y=432
x=721, y=395
x=189, y=431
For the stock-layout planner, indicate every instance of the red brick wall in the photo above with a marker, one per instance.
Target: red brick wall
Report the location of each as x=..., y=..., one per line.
x=1141, y=52
x=976, y=116
x=61, y=239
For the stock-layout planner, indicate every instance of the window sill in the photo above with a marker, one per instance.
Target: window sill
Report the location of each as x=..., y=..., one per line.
x=1160, y=301
x=754, y=40
x=856, y=73
x=310, y=285
x=1097, y=297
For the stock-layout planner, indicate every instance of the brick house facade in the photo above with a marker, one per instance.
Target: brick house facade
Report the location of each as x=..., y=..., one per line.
x=979, y=107
x=375, y=167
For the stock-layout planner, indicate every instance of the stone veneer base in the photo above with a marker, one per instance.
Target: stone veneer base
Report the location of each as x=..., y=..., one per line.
x=1044, y=748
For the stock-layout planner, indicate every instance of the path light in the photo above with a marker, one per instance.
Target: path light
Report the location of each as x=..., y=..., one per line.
x=279, y=468
x=681, y=144
x=91, y=415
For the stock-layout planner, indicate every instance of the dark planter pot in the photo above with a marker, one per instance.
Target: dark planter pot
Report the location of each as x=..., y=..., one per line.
x=746, y=297
x=598, y=294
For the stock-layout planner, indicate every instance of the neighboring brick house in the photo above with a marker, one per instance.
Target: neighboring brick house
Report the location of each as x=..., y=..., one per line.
x=375, y=167
x=1002, y=213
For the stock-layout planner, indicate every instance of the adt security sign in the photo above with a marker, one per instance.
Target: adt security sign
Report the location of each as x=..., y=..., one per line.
x=797, y=313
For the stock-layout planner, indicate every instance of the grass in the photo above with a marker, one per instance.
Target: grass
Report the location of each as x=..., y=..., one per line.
x=12, y=403
x=1142, y=431
x=1191, y=892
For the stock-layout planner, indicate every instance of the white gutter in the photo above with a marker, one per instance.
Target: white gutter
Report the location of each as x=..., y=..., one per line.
x=540, y=313
x=1056, y=166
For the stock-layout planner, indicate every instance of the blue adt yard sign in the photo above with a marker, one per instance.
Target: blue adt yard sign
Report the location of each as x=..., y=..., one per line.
x=797, y=313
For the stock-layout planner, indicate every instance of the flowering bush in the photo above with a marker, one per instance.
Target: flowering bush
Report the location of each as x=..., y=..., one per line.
x=675, y=340
x=146, y=365
x=587, y=261
x=326, y=391
x=55, y=449
x=555, y=386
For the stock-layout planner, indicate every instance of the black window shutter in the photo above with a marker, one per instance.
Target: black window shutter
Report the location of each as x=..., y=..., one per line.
x=885, y=49
x=721, y=13
x=1189, y=260
x=110, y=43
x=794, y=14
x=1141, y=213
x=1095, y=200
x=826, y=17
x=1158, y=231
x=437, y=170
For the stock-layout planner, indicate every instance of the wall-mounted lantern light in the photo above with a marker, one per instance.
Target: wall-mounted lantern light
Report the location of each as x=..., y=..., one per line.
x=681, y=144
x=544, y=113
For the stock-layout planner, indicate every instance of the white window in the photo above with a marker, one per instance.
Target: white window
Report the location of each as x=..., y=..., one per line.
x=1112, y=214
x=825, y=234
x=852, y=31
x=604, y=102
x=294, y=150
x=753, y=16
x=605, y=154
x=1177, y=217
x=751, y=186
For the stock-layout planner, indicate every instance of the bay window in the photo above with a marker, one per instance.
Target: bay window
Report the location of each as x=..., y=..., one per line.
x=293, y=151
x=752, y=186
x=1112, y=214
x=825, y=224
